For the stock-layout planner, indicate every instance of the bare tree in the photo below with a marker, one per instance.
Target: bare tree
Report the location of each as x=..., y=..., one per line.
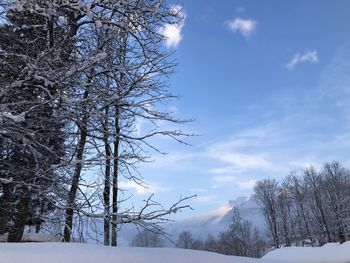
x=147, y=238
x=266, y=192
x=284, y=208
x=241, y=239
x=315, y=192
x=336, y=183
x=185, y=240
x=312, y=206
x=102, y=69
x=296, y=188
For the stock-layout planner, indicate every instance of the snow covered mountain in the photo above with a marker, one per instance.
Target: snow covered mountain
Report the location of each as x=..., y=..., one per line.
x=201, y=226
x=249, y=210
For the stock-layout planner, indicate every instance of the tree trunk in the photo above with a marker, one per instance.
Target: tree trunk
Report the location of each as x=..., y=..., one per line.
x=292, y=225
x=20, y=217
x=324, y=223
x=274, y=220
x=307, y=228
x=115, y=177
x=50, y=33
x=5, y=205
x=107, y=188
x=77, y=172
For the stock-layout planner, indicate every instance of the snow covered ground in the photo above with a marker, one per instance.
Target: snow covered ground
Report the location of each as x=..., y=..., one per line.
x=330, y=253
x=87, y=253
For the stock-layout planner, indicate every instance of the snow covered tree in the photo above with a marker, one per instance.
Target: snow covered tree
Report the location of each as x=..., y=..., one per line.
x=185, y=240
x=241, y=239
x=297, y=189
x=336, y=187
x=93, y=70
x=31, y=130
x=312, y=206
x=147, y=238
x=286, y=222
x=317, y=201
x=266, y=192
x=210, y=244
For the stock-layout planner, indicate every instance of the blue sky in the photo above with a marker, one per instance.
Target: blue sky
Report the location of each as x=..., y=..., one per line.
x=268, y=84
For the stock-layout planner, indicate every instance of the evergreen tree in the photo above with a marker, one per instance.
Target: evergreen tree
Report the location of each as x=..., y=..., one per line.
x=31, y=130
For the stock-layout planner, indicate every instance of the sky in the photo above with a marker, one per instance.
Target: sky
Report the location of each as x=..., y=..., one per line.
x=268, y=84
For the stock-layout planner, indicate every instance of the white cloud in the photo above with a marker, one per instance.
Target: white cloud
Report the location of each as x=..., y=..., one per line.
x=197, y=190
x=224, y=179
x=205, y=198
x=173, y=32
x=137, y=129
x=244, y=26
x=219, y=212
x=227, y=170
x=302, y=164
x=141, y=189
x=237, y=160
x=131, y=185
x=247, y=185
x=308, y=56
x=246, y=160
x=236, y=181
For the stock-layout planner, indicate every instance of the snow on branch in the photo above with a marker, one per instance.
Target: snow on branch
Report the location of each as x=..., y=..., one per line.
x=143, y=216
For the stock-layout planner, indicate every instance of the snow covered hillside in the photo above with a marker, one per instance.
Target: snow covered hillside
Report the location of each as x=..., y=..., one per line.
x=330, y=253
x=86, y=253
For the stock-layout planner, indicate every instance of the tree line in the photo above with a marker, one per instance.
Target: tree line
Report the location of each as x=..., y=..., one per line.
x=76, y=79
x=242, y=238
x=308, y=207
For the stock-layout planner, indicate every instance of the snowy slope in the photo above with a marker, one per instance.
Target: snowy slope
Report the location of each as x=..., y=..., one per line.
x=333, y=253
x=86, y=253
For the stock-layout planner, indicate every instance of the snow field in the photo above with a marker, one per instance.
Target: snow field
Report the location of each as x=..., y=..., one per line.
x=87, y=253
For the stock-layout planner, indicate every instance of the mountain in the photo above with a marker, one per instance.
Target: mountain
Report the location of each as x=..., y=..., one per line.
x=201, y=226
x=248, y=209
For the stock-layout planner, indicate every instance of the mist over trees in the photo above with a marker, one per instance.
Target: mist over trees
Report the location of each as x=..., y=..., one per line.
x=76, y=79
x=241, y=239
x=147, y=238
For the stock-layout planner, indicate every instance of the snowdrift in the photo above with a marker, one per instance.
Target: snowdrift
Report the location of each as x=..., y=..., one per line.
x=87, y=253
x=329, y=253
